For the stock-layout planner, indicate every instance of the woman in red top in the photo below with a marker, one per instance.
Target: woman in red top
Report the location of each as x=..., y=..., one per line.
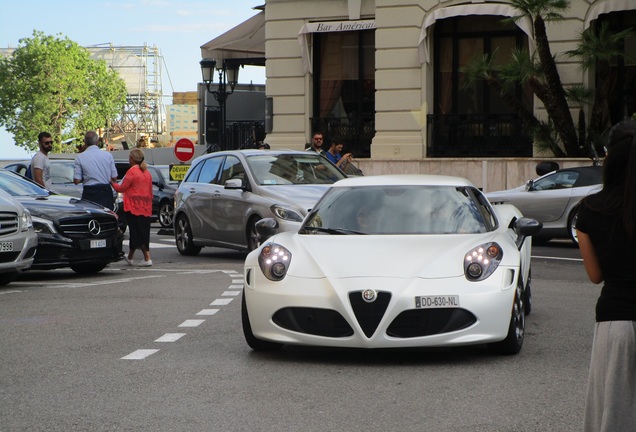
x=137, y=189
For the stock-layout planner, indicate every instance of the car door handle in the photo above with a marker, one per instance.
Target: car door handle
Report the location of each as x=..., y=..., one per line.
x=216, y=193
x=192, y=190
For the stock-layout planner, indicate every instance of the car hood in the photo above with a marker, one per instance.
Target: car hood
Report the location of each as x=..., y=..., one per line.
x=395, y=256
x=54, y=207
x=303, y=197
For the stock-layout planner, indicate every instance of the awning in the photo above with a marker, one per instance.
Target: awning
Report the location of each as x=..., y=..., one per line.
x=606, y=7
x=245, y=41
x=327, y=27
x=470, y=9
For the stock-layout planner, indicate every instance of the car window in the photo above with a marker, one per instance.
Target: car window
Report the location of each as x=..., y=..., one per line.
x=285, y=169
x=557, y=180
x=61, y=172
x=155, y=175
x=19, y=168
x=399, y=210
x=210, y=170
x=193, y=173
x=232, y=169
x=17, y=186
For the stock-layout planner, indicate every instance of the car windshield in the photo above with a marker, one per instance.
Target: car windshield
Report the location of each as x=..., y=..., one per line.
x=397, y=210
x=165, y=173
x=289, y=169
x=17, y=186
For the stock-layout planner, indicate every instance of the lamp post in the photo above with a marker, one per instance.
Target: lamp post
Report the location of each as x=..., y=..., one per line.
x=228, y=74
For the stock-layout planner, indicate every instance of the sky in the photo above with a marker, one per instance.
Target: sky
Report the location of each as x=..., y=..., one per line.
x=177, y=28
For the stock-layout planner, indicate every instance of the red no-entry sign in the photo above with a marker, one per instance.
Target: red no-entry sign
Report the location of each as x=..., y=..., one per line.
x=184, y=150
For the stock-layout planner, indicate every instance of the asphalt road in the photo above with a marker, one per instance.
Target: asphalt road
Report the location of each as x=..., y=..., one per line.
x=161, y=349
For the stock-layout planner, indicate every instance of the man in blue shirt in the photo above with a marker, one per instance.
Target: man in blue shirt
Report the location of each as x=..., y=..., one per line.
x=95, y=169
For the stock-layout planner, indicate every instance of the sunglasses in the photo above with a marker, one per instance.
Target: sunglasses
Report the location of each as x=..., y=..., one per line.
x=47, y=142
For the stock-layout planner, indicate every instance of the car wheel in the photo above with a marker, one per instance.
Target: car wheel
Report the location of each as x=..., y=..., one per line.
x=6, y=278
x=88, y=268
x=527, y=294
x=254, y=343
x=166, y=213
x=183, y=237
x=252, y=236
x=574, y=216
x=516, y=330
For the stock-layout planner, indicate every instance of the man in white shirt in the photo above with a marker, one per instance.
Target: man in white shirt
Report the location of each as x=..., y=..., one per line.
x=95, y=169
x=40, y=164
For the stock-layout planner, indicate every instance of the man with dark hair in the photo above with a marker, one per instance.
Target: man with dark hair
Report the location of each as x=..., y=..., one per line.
x=40, y=164
x=96, y=169
x=316, y=143
x=334, y=153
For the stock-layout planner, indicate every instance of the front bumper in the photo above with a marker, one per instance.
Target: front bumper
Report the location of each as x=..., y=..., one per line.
x=56, y=251
x=330, y=312
x=24, y=249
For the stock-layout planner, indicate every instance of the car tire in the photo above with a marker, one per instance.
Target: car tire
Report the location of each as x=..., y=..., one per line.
x=516, y=330
x=183, y=237
x=574, y=216
x=6, y=278
x=88, y=268
x=527, y=294
x=252, y=236
x=253, y=342
x=166, y=214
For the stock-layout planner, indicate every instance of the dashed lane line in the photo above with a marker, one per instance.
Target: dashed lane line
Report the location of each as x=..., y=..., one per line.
x=233, y=290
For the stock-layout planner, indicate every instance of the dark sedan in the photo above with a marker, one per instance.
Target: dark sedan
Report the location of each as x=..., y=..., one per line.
x=71, y=232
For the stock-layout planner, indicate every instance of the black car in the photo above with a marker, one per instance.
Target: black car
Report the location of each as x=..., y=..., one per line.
x=163, y=190
x=71, y=232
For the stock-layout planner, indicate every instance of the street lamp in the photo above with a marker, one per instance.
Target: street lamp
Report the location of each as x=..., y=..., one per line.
x=228, y=74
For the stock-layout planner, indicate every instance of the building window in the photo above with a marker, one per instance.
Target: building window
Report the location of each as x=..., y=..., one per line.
x=472, y=119
x=622, y=91
x=344, y=88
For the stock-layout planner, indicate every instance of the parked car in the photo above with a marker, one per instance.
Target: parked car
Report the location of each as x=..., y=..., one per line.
x=163, y=190
x=62, y=171
x=224, y=194
x=392, y=261
x=553, y=199
x=71, y=232
x=18, y=240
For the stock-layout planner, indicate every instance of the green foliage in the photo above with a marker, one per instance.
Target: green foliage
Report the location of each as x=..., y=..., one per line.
x=51, y=84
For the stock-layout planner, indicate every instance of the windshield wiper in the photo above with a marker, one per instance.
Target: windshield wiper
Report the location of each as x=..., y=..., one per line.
x=337, y=231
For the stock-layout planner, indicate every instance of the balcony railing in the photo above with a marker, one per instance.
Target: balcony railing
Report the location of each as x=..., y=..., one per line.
x=477, y=135
x=357, y=133
x=239, y=135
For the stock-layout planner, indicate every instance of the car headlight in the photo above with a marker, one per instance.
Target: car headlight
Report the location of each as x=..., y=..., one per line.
x=274, y=261
x=26, y=221
x=42, y=225
x=286, y=213
x=482, y=261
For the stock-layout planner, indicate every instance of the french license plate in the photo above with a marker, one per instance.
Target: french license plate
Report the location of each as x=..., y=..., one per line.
x=6, y=246
x=98, y=244
x=432, y=302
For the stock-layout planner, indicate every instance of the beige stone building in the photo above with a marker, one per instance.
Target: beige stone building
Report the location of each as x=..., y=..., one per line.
x=386, y=75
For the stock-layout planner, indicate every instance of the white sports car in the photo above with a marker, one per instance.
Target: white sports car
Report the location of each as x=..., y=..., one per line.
x=392, y=261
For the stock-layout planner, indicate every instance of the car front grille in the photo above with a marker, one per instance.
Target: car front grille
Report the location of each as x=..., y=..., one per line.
x=9, y=223
x=80, y=227
x=369, y=314
x=314, y=321
x=426, y=322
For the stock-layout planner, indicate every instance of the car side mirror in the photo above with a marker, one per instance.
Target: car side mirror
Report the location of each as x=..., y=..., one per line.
x=526, y=227
x=530, y=185
x=265, y=228
x=234, y=183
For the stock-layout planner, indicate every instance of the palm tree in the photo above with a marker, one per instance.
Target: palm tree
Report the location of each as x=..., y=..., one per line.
x=555, y=100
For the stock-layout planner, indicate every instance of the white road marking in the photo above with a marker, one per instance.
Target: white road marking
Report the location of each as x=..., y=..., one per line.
x=238, y=282
x=557, y=258
x=221, y=302
x=231, y=293
x=170, y=337
x=10, y=292
x=191, y=323
x=154, y=245
x=237, y=286
x=84, y=284
x=140, y=354
x=207, y=312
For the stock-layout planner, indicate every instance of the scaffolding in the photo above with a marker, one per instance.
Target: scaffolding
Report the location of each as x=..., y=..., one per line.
x=143, y=117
